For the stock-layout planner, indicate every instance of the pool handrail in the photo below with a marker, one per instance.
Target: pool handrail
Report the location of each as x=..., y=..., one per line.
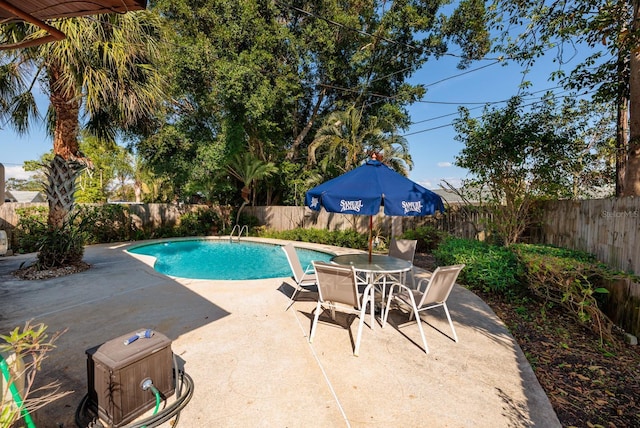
x=244, y=229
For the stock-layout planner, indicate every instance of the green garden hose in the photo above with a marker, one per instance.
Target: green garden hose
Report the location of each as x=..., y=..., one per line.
x=15, y=394
x=157, y=394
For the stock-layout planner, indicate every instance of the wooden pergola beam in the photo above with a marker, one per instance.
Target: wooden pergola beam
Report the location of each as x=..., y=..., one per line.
x=54, y=33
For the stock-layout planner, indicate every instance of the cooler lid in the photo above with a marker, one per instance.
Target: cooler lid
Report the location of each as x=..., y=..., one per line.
x=115, y=354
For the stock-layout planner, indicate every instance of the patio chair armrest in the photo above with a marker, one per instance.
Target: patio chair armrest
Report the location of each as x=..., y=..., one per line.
x=399, y=285
x=422, y=282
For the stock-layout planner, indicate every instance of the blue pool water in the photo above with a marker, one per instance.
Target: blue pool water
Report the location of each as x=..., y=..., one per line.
x=207, y=259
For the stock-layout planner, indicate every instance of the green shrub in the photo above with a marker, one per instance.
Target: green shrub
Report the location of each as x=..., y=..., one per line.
x=341, y=238
x=428, y=238
x=32, y=223
x=165, y=231
x=202, y=222
x=487, y=267
x=106, y=223
x=560, y=274
x=249, y=220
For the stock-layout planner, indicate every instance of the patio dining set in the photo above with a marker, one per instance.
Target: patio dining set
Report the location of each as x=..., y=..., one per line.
x=357, y=282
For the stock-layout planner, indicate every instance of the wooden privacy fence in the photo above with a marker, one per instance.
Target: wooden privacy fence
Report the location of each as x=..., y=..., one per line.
x=608, y=228
x=281, y=218
x=9, y=216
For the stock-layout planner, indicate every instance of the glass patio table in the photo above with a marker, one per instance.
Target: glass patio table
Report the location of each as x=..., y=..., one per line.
x=376, y=271
x=380, y=264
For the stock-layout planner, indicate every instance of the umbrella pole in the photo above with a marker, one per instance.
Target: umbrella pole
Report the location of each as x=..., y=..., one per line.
x=370, y=236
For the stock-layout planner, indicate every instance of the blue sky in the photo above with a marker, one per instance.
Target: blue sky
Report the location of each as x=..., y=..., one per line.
x=431, y=140
x=14, y=149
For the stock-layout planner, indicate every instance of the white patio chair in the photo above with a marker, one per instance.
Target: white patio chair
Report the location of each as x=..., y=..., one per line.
x=404, y=249
x=338, y=291
x=302, y=278
x=432, y=291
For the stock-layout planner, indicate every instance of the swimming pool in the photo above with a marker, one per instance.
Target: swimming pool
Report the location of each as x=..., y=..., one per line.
x=222, y=259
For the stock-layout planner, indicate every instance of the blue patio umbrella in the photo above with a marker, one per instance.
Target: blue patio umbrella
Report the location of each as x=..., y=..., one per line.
x=364, y=189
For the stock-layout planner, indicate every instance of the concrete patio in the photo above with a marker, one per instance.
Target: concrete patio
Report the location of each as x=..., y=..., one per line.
x=251, y=361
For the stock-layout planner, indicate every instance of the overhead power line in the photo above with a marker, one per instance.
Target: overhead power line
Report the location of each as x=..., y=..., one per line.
x=462, y=74
x=477, y=117
x=487, y=103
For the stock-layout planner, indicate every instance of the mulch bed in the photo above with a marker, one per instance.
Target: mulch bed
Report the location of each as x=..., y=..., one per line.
x=32, y=272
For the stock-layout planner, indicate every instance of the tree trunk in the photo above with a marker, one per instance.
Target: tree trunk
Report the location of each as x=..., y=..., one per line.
x=245, y=192
x=622, y=128
x=68, y=161
x=61, y=185
x=137, y=190
x=293, y=151
x=632, y=172
x=244, y=203
x=67, y=109
x=622, y=145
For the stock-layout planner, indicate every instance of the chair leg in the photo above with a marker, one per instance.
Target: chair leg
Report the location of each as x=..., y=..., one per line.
x=415, y=312
x=372, y=303
x=315, y=321
x=363, y=313
x=292, y=297
x=446, y=311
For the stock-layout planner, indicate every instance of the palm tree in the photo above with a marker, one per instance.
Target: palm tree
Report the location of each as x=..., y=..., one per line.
x=393, y=150
x=344, y=136
x=101, y=73
x=341, y=136
x=248, y=170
